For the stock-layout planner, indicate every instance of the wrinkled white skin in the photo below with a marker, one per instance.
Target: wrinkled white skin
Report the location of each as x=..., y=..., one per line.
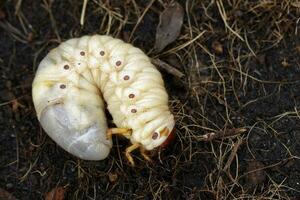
x=69, y=100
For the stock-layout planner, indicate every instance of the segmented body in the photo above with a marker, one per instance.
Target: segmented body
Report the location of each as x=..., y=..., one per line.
x=73, y=80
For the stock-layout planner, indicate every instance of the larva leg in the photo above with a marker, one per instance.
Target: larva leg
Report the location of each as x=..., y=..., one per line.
x=129, y=150
x=118, y=131
x=144, y=154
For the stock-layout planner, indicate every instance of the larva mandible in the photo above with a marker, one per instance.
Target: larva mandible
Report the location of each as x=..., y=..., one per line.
x=73, y=81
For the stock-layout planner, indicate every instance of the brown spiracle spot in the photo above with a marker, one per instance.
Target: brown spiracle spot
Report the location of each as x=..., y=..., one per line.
x=102, y=53
x=62, y=86
x=154, y=135
x=131, y=96
x=126, y=77
x=133, y=110
x=118, y=63
x=66, y=67
x=82, y=53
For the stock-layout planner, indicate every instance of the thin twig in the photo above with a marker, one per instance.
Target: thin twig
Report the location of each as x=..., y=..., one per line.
x=165, y=66
x=140, y=19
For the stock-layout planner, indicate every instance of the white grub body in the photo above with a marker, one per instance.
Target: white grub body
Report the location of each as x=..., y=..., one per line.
x=73, y=81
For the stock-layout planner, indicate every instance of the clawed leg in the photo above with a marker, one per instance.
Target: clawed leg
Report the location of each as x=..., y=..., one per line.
x=118, y=131
x=129, y=150
x=144, y=154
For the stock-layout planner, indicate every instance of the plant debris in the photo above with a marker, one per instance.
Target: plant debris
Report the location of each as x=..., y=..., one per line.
x=256, y=174
x=222, y=134
x=165, y=66
x=168, y=29
x=57, y=193
x=5, y=195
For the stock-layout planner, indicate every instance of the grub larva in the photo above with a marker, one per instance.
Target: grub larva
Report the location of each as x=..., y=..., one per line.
x=75, y=79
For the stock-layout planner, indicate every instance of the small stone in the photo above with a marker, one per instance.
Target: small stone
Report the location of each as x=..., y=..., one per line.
x=30, y=37
x=9, y=185
x=284, y=63
x=113, y=177
x=217, y=47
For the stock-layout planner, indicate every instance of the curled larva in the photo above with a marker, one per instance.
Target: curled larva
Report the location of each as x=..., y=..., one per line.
x=73, y=81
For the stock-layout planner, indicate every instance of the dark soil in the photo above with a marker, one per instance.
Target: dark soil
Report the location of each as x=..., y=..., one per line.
x=245, y=75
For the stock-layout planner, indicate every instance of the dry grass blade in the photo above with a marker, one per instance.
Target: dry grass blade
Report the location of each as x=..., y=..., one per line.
x=222, y=134
x=140, y=19
x=224, y=18
x=85, y=2
x=13, y=31
x=48, y=7
x=233, y=154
